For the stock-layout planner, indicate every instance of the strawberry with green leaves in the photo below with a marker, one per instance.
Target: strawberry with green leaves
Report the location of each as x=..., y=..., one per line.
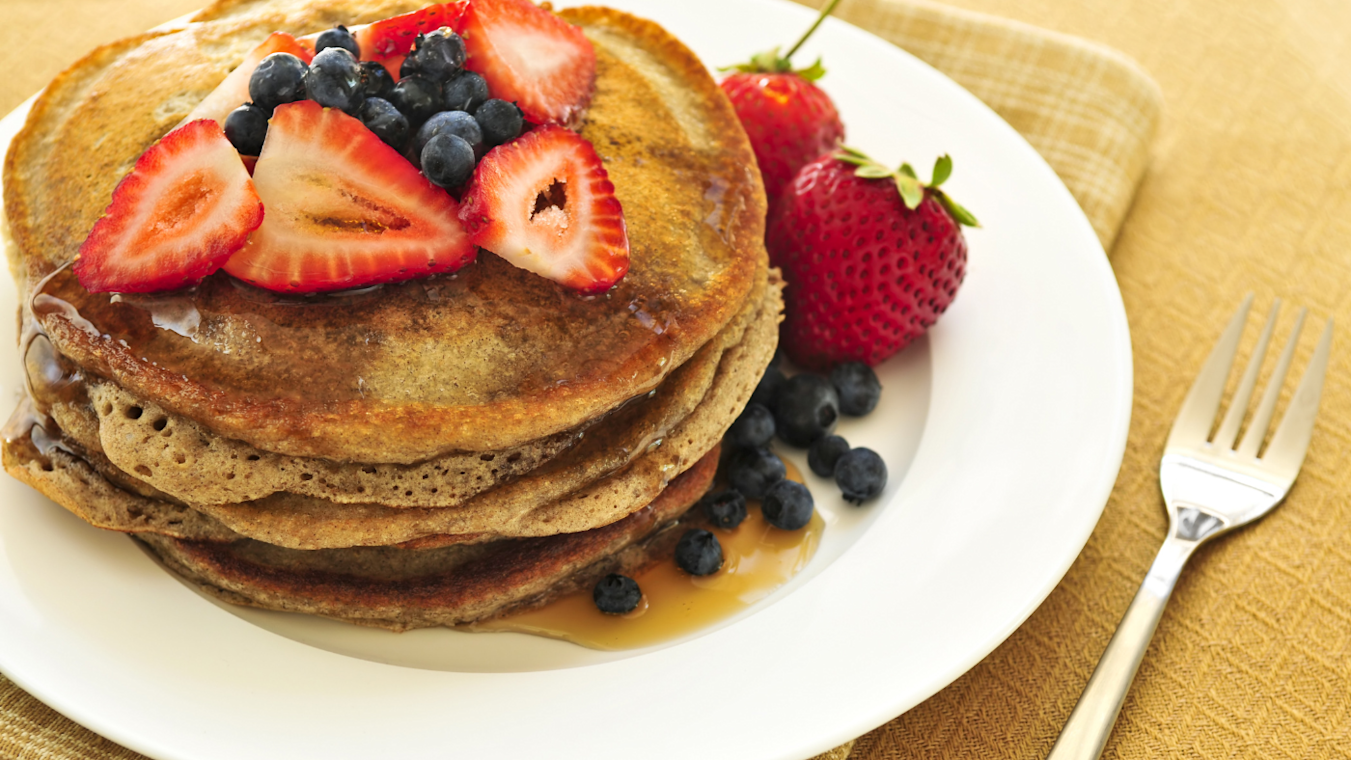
x=788, y=119
x=872, y=257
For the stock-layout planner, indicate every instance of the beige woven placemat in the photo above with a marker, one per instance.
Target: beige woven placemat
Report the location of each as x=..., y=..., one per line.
x=1250, y=190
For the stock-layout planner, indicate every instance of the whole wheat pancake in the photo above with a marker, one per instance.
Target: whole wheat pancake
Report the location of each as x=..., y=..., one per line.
x=485, y=360
x=401, y=589
x=86, y=483
x=190, y=463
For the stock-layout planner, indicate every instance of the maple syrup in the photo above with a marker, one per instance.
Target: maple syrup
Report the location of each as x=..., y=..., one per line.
x=757, y=559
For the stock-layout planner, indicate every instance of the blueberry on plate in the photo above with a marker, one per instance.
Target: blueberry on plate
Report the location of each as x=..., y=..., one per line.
x=824, y=453
x=861, y=474
x=338, y=37
x=417, y=98
x=788, y=505
x=805, y=408
x=279, y=78
x=456, y=123
x=500, y=121
x=768, y=387
x=246, y=128
x=752, y=471
x=376, y=81
x=440, y=54
x=448, y=161
x=858, y=387
x=381, y=117
x=616, y=594
x=725, y=509
x=698, y=552
x=334, y=80
x=466, y=92
x=754, y=428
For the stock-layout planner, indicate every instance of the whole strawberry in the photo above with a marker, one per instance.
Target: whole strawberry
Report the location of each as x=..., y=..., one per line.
x=872, y=257
x=788, y=119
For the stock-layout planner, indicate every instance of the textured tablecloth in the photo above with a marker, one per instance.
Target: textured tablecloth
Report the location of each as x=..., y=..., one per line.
x=1249, y=189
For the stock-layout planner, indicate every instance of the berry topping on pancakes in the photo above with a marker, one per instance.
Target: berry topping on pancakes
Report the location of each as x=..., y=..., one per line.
x=184, y=209
x=233, y=91
x=344, y=209
x=545, y=203
x=531, y=57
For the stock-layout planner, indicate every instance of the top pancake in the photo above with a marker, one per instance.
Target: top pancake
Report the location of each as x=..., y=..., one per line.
x=486, y=359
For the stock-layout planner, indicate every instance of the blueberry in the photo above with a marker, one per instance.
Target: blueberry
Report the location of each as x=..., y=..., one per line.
x=752, y=471
x=768, y=387
x=337, y=37
x=417, y=98
x=805, y=408
x=858, y=387
x=408, y=68
x=698, y=552
x=448, y=161
x=466, y=92
x=381, y=117
x=861, y=475
x=725, y=509
x=279, y=78
x=334, y=80
x=376, y=81
x=440, y=54
x=754, y=428
x=500, y=121
x=616, y=594
x=246, y=127
x=824, y=453
x=788, y=505
x=456, y=123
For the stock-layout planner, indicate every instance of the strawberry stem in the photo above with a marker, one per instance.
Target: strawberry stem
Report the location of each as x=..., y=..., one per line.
x=830, y=6
x=908, y=184
x=770, y=62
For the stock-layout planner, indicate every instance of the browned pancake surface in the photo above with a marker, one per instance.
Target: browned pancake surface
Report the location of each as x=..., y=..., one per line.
x=401, y=588
x=486, y=359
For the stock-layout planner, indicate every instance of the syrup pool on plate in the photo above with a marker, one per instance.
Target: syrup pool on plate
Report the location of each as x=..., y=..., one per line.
x=757, y=559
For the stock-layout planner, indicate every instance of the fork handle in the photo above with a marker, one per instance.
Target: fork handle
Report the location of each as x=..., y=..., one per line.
x=1085, y=733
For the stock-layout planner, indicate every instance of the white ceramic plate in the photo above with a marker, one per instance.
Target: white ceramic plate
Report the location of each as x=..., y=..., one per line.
x=1003, y=429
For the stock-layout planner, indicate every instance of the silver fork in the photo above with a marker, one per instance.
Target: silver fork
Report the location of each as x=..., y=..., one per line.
x=1210, y=487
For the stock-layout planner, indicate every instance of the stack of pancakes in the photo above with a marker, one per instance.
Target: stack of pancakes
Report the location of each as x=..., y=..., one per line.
x=434, y=452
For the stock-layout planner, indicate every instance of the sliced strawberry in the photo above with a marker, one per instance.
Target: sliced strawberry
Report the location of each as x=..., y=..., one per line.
x=545, y=203
x=531, y=57
x=344, y=209
x=392, y=38
x=186, y=206
x=233, y=91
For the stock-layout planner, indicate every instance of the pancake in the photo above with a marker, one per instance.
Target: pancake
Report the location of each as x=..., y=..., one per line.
x=536, y=505
x=188, y=462
x=401, y=590
x=485, y=360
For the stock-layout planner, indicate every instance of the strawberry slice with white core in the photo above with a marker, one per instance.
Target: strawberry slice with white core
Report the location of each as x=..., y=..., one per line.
x=530, y=57
x=545, y=203
x=344, y=209
x=233, y=91
x=182, y=211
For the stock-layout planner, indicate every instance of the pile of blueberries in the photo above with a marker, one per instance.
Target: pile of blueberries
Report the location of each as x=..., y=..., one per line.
x=802, y=411
x=439, y=115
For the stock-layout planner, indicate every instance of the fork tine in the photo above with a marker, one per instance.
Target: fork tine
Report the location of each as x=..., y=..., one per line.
x=1197, y=414
x=1224, y=438
x=1291, y=441
x=1257, y=429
